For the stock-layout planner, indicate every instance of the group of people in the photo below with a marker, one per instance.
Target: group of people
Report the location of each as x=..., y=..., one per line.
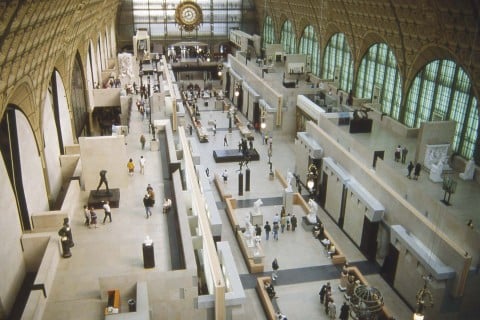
x=416, y=168
x=131, y=166
x=401, y=154
x=91, y=215
x=280, y=222
x=330, y=307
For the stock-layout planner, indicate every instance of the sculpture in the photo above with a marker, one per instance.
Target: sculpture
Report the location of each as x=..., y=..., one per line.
x=66, y=238
x=312, y=213
x=103, y=180
x=436, y=171
x=289, y=182
x=469, y=170
x=256, y=205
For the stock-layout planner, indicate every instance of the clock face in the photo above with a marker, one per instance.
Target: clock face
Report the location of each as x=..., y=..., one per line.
x=188, y=15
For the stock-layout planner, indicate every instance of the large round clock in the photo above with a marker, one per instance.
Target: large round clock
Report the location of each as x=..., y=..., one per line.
x=188, y=15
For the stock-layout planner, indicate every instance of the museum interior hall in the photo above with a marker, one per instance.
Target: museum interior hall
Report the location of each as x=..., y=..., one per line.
x=240, y=159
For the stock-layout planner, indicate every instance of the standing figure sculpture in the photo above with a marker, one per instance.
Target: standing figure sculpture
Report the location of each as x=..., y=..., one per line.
x=103, y=180
x=66, y=238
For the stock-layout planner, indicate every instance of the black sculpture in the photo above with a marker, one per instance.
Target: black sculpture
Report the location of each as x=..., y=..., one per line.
x=103, y=180
x=66, y=238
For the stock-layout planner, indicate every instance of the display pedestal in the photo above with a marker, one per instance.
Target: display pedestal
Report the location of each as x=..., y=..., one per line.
x=148, y=256
x=96, y=198
x=154, y=145
x=288, y=201
x=256, y=218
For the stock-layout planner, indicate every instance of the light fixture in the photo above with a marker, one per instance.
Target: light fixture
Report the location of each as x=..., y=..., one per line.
x=424, y=299
x=237, y=92
x=263, y=125
x=219, y=73
x=311, y=177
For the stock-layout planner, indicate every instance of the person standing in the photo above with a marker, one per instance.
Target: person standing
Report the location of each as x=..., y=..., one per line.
x=86, y=213
x=93, y=218
x=151, y=194
x=190, y=129
x=108, y=212
x=410, y=169
x=267, y=228
x=275, y=268
x=225, y=176
x=142, y=165
x=130, y=166
x=147, y=202
x=142, y=141
x=416, y=173
x=258, y=231
x=332, y=310
x=344, y=311
x=404, y=154
x=323, y=291
x=283, y=222
x=294, y=222
x=398, y=151
x=225, y=141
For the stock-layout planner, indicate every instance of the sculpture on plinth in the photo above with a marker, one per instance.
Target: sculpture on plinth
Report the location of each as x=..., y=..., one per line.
x=103, y=180
x=312, y=212
x=256, y=206
x=66, y=238
x=469, y=171
x=436, y=171
x=289, y=182
x=249, y=233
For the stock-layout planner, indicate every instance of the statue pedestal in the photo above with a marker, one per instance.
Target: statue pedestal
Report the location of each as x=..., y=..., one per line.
x=97, y=198
x=256, y=218
x=154, y=145
x=288, y=201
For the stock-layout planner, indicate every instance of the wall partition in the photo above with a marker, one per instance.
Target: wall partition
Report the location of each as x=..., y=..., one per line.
x=443, y=91
x=338, y=61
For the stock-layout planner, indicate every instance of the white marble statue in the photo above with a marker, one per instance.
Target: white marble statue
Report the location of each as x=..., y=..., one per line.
x=436, y=171
x=256, y=206
x=125, y=62
x=249, y=233
x=289, y=182
x=469, y=171
x=312, y=213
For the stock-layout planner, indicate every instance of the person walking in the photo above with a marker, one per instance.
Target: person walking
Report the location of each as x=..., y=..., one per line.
x=410, y=169
x=267, y=228
x=93, y=218
x=404, y=154
x=108, y=212
x=344, y=311
x=130, y=166
x=225, y=141
x=275, y=230
x=142, y=141
x=398, y=151
x=294, y=222
x=86, y=213
x=142, y=165
x=275, y=268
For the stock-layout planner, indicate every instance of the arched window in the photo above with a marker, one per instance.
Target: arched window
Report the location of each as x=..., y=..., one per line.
x=443, y=91
x=309, y=46
x=268, y=31
x=288, y=38
x=379, y=69
x=338, y=60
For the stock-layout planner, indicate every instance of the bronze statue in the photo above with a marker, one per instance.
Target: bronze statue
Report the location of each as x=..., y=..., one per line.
x=103, y=179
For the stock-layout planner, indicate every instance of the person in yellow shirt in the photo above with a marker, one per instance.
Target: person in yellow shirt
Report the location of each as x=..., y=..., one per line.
x=130, y=166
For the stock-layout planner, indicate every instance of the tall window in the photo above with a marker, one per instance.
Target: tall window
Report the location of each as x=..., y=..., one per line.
x=443, y=91
x=288, y=38
x=268, y=31
x=379, y=69
x=158, y=17
x=309, y=46
x=338, y=61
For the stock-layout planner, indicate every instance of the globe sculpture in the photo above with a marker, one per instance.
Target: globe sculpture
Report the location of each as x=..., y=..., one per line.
x=366, y=303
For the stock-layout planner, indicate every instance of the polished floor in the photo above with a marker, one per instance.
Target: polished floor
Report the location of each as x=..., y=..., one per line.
x=115, y=248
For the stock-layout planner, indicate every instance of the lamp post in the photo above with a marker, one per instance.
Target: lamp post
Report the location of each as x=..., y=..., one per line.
x=312, y=176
